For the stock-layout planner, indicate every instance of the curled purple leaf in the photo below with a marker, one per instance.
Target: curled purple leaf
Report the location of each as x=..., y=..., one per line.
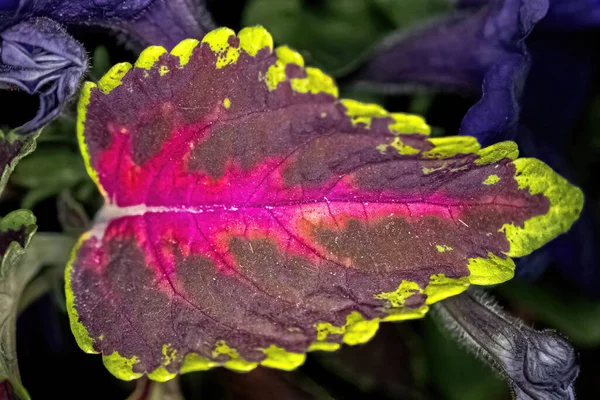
x=479, y=51
x=146, y=22
x=537, y=364
x=167, y=22
x=39, y=57
x=82, y=11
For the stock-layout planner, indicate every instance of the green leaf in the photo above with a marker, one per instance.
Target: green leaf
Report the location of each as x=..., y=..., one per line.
x=19, y=268
x=16, y=230
x=12, y=149
x=407, y=13
x=47, y=172
x=71, y=214
x=61, y=130
x=333, y=33
x=50, y=250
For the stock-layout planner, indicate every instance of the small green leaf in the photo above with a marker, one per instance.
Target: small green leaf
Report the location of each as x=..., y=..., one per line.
x=47, y=172
x=50, y=250
x=16, y=230
x=71, y=214
x=61, y=131
x=12, y=149
x=410, y=12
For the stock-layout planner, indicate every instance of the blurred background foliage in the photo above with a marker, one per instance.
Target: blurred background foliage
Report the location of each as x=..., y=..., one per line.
x=411, y=360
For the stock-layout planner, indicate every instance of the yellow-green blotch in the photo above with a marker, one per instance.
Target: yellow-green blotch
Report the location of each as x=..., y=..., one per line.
x=405, y=313
x=281, y=359
x=324, y=346
x=252, y=39
x=403, y=148
x=441, y=287
x=408, y=123
x=566, y=203
x=113, y=78
x=497, y=152
x=315, y=82
x=235, y=362
x=121, y=367
x=276, y=72
x=491, y=180
x=450, y=146
x=193, y=362
x=363, y=113
x=255, y=38
x=398, y=297
x=149, y=57
x=356, y=330
x=443, y=248
x=184, y=50
x=491, y=270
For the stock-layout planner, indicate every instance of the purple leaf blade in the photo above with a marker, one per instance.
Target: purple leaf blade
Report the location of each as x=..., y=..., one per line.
x=252, y=216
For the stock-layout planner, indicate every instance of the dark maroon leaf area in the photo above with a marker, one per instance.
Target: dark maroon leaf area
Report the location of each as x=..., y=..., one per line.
x=12, y=235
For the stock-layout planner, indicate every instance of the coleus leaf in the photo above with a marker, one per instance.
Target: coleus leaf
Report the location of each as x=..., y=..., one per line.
x=251, y=216
x=16, y=230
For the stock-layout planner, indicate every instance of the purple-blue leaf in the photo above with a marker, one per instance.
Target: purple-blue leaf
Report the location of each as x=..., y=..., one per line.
x=147, y=22
x=479, y=51
x=167, y=22
x=82, y=11
x=39, y=57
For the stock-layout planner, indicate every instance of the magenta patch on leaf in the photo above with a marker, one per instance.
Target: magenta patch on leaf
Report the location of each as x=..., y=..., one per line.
x=251, y=216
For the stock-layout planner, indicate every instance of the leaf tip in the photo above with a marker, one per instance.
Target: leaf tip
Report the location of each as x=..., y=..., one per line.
x=565, y=206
